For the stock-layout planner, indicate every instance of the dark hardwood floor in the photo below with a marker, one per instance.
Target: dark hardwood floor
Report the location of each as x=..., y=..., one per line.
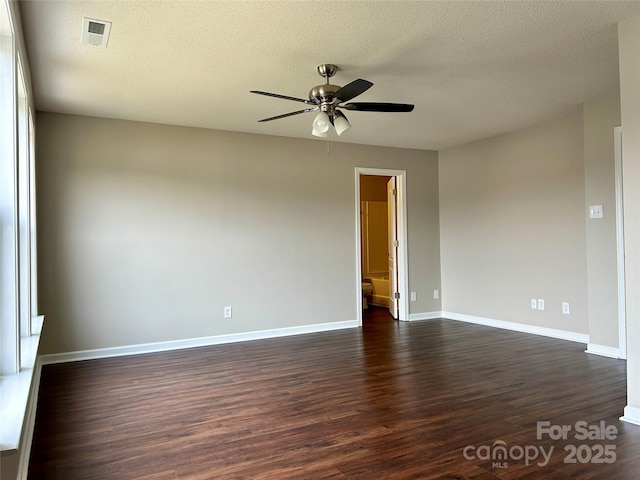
x=427, y=400
x=376, y=315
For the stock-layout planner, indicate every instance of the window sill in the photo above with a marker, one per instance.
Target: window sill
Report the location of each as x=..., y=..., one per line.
x=15, y=391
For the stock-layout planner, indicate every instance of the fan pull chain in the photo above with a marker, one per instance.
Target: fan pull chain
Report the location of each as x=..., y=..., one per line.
x=329, y=147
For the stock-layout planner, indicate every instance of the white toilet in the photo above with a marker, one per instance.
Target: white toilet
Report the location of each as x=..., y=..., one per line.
x=367, y=290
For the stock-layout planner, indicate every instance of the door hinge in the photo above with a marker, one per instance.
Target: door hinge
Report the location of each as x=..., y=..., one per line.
x=394, y=192
x=396, y=243
x=396, y=295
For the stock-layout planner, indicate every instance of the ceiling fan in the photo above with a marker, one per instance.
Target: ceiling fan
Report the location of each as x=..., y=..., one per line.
x=329, y=98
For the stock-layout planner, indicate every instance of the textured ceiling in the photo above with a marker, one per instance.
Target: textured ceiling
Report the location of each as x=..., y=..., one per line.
x=472, y=69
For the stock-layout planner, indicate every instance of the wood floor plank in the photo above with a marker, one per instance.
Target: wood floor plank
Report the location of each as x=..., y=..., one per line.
x=389, y=400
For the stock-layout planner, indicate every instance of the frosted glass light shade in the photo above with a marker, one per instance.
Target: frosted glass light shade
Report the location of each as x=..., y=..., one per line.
x=341, y=123
x=322, y=123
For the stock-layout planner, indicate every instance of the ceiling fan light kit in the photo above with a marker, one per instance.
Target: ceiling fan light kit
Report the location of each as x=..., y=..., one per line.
x=327, y=99
x=340, y=123
x=322, y=123
x=317, y=133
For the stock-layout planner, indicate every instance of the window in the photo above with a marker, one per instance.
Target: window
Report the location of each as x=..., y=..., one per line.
x=9, y=328
x=24, y=206
x=19, y=323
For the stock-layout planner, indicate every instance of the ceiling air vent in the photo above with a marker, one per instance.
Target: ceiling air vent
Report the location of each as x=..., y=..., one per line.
x=95, y=32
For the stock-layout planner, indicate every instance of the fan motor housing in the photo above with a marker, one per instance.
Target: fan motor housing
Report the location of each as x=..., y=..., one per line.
x=323, y=93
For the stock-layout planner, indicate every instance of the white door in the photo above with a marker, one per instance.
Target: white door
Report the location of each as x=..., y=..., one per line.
x=392, y=239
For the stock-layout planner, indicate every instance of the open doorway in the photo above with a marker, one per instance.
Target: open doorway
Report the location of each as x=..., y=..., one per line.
x=381, y=241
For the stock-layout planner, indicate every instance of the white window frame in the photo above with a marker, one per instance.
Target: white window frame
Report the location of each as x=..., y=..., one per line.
x=9, y=325
x=20, y=324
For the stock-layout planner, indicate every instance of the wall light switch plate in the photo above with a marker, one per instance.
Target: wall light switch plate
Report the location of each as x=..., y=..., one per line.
x=596, y=211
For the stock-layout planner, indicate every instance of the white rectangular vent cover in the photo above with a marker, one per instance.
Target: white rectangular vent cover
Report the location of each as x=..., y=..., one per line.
x=95, y=32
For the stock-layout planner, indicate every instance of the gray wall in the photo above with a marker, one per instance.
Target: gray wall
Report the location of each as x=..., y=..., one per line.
x=601, y=116
x=513, y=226
x=147, y=231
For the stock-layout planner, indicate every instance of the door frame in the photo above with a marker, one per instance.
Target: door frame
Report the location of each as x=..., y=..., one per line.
x=401, y=220
x=622, y=315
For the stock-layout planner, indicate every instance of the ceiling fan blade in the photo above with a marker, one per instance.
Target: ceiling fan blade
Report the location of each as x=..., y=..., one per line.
x=378, y=107
x=285, y=97
x=284, y=115
x=353, y=89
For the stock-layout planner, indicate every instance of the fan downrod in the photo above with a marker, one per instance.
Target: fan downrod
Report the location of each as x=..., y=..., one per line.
x=322, y=95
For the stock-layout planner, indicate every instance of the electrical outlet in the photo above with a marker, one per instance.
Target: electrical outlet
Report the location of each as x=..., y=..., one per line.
x=565, y=308
x=436, y=294
x=414, y=296
x=227, y=312
x=541, y=304
x=534, y=304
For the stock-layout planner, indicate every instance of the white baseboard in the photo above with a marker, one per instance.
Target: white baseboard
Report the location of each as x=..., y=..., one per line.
x=631, y=415
x=193, y=342
x=519, y=327
x=603, y=350
x=424, y=316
